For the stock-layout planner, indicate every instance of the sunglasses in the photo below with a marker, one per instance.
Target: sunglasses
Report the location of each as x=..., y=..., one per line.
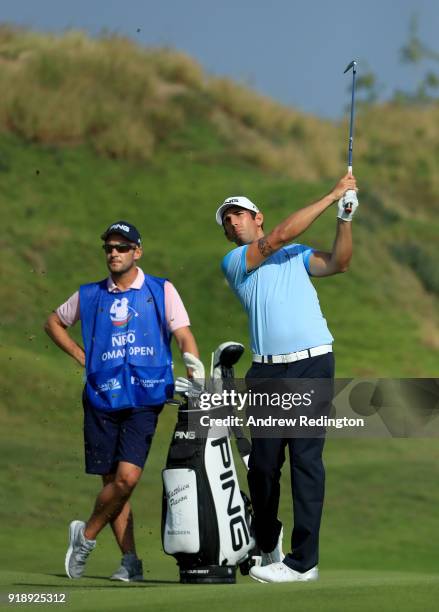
x=121, y=247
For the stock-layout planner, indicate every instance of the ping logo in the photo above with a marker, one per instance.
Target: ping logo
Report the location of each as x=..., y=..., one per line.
x=116, y=226
x=185, y=435
x=238, y=528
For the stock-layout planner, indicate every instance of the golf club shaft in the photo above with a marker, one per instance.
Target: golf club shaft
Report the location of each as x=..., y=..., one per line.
x=351, y=124
x=348, y=208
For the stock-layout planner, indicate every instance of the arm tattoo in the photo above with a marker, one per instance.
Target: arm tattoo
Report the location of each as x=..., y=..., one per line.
x=265, y=247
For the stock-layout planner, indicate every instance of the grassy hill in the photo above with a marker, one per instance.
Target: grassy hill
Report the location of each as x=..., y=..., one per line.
x=92, y=130
x=95, y=130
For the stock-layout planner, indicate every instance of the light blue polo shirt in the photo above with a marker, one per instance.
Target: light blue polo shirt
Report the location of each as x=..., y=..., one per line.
x=280, y=300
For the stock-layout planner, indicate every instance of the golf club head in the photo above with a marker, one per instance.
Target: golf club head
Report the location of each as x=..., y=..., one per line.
x=352, y=65
x=224, y=358
x=230, y=354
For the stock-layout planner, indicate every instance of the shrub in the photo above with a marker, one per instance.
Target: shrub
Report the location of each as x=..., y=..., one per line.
x=422, y=261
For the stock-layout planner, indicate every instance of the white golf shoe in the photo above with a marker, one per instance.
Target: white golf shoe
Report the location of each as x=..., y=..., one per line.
x=276, y=555
x=279, y=572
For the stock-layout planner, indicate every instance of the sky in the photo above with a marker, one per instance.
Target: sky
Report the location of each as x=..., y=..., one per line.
x=294, y=51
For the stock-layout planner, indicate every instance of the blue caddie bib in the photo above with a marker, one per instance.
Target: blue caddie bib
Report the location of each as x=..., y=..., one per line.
x=127, y=345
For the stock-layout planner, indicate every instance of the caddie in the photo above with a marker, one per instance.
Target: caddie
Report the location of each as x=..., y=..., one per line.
x=127, y=321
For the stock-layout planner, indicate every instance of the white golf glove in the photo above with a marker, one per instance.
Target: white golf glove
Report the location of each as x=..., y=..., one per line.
x=195, y=386
x=193, y=363
x=350, y=201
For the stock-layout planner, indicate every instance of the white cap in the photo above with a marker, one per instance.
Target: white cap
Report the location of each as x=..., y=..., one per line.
x=240, y=201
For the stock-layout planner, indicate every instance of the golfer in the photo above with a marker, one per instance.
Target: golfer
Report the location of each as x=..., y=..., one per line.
x=289, y=340
x=126, y=321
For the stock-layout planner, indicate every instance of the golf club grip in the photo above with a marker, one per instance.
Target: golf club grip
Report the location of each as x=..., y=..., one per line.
x=347, y=207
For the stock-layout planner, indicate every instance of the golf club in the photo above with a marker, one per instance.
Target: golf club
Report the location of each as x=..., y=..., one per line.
x=352, y=65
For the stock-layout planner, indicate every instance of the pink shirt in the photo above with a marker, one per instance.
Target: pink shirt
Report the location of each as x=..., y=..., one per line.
x=175, y=312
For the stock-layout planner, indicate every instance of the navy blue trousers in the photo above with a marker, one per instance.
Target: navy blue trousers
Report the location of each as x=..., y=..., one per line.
x=307, y=470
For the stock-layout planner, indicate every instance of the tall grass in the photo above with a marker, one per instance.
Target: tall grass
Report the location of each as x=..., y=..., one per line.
x=126, y=101
x=400, y=145
x=274, y=137
x=71, y=89
x=422, y=260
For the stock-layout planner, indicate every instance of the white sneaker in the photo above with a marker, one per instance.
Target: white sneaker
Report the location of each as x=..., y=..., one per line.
x=78, y=550
x=276, y=555
x=279, y=572
x=130, y=570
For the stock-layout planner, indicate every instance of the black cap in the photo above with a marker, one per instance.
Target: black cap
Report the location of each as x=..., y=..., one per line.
x=124, y=229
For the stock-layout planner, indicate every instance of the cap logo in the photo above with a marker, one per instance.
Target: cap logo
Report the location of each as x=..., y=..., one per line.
x=231, y=201
x=125, y=228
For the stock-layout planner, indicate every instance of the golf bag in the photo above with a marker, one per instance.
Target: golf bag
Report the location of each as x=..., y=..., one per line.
x=206, y=519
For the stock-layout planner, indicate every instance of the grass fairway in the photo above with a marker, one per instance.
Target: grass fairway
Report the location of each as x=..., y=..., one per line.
x=336, y=591
x=378, y=542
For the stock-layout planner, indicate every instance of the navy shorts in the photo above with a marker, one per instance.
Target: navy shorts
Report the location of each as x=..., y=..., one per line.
x=117, y=435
